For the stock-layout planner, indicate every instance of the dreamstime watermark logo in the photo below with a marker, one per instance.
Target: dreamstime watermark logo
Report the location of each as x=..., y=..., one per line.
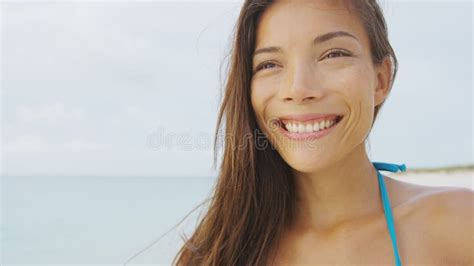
x=201, y=141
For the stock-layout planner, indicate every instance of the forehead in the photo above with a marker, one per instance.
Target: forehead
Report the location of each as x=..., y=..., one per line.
x=297, y=22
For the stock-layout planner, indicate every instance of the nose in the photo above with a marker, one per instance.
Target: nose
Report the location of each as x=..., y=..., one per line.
x=301, y=84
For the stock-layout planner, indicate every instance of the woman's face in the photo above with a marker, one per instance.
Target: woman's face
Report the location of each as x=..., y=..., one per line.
x=310, y=74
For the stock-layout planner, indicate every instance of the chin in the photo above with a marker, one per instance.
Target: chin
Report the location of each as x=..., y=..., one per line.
x=305, y=162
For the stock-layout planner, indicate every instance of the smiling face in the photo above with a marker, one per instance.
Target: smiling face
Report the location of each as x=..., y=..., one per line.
x=313, y=59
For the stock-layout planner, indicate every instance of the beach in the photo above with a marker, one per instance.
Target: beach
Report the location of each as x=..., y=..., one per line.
x=462, y=178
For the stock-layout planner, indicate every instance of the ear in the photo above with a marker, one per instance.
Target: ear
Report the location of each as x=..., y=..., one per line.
x=382, y=87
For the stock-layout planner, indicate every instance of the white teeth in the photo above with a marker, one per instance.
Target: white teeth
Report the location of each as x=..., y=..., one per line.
x=296, y=127
x=301, y=128
x=322, y=125
x=316, y=127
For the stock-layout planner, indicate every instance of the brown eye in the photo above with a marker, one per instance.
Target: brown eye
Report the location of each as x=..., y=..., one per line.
x=336, y=53
x=264, y=65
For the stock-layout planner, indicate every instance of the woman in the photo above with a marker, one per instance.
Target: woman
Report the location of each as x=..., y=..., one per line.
x=296, y=186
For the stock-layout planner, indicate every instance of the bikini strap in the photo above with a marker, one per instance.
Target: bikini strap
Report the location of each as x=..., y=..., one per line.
x=386, y=203
x=390, y=167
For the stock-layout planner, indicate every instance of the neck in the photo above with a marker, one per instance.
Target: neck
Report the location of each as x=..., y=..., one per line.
x=338, y=193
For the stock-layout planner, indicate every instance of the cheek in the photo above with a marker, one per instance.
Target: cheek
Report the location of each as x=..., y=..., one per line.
x=355, y=86
x=259, y=98
x=261, y=92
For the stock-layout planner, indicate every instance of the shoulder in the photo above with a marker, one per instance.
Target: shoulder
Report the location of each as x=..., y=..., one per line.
x=447, y=215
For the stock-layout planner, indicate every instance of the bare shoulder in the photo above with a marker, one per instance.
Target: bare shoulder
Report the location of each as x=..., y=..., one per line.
x=447, y=215
x=451, y=216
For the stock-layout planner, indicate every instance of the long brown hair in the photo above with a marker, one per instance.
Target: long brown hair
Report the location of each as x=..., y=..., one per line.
x=254, y=194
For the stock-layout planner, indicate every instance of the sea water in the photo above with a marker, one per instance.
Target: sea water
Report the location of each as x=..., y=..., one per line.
x=96, y=220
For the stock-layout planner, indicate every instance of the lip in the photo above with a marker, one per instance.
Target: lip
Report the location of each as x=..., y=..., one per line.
x=312, y=135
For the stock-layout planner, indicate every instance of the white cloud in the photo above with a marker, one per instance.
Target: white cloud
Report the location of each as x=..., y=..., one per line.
x=135, y=112
x=34, y=143
x=55, y=113
x=80, y=145
x=26, y=144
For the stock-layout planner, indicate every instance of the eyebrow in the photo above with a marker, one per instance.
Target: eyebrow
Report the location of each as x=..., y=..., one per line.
x=319, y=39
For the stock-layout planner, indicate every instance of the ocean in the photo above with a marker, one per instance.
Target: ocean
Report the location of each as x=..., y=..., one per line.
x=96, y=220
x=117, y=220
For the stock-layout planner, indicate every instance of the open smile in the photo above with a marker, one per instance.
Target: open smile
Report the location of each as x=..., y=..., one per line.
x=306, y=127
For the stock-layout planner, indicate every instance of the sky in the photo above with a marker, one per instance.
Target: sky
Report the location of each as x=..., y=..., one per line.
x=132, y=88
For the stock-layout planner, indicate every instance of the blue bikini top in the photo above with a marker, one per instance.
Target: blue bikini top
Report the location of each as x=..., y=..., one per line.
x=386, y=202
